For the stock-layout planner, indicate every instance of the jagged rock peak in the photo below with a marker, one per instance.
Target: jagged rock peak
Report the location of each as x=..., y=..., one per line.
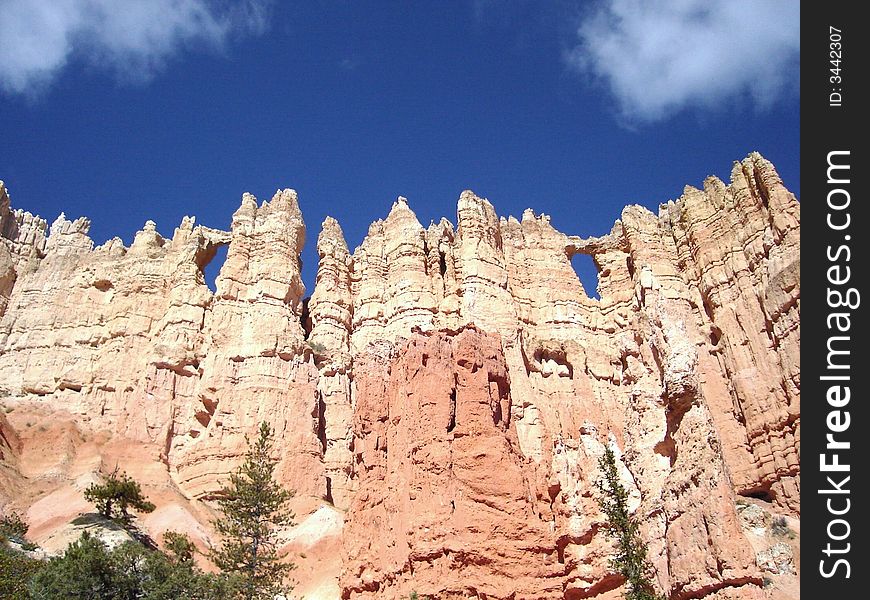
x=286, y=200
x=69, y=237
x=147, y=238
x=187, y=223
x=249, y=203
x=331, y=239
x=401, y=213
x=330, y=305
x=476, y=217
x=63, y=226
x=442, y=227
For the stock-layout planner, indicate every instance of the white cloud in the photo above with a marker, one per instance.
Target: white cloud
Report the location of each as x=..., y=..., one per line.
x=658, y=57
x=133, y=38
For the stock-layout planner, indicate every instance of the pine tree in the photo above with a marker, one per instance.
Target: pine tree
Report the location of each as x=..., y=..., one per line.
x=116, y=495
x=253, y=507
x=631, y=556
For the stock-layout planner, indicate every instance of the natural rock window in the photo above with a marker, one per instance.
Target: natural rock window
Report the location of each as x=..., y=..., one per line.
x=588, y=273
x=212, y=267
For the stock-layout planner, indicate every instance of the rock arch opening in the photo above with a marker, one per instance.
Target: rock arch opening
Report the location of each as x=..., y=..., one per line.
x=210, y=261
x=588, y=273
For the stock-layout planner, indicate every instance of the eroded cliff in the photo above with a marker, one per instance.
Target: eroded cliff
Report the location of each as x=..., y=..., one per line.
x=447, y=389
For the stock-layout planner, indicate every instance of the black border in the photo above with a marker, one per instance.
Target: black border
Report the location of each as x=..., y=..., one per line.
x=826, y=128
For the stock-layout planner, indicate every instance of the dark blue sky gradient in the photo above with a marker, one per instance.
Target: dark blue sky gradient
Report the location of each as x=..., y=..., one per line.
x=354, y=105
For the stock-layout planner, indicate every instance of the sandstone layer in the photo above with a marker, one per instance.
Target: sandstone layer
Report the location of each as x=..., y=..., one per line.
x=447, y=389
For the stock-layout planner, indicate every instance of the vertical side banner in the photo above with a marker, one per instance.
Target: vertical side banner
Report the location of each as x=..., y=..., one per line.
x=835, y=454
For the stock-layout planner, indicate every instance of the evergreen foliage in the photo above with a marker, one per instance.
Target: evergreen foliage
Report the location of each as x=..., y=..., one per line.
x=12, y=526
x=16, y=569
x=13, y=530
x=179, y=548
x=83, y=572
x=89, y=570
x=174, y=574
x=631, y=556
x=116, y=495
x=253, y=507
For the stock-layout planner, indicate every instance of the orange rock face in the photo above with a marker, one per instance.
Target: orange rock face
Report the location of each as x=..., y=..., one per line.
x=448, y=389
x=446, y=502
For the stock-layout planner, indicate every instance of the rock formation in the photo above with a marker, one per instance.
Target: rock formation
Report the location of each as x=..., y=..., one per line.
x=446, y=504
x=448, y=389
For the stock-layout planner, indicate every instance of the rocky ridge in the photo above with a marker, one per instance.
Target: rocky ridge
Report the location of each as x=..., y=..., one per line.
x=448, y=389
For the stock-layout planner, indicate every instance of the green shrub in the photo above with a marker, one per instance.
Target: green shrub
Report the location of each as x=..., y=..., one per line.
x=90, y=571
x=317, y=347
x=16, y=569
x=12, y=526
x=84, y=571
x=779, y=527
x=179, y=548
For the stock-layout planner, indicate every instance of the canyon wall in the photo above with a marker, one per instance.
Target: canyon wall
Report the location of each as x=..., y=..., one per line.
x=448, y=390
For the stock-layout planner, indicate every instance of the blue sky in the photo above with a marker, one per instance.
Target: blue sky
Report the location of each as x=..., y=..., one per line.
x=125, y=112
